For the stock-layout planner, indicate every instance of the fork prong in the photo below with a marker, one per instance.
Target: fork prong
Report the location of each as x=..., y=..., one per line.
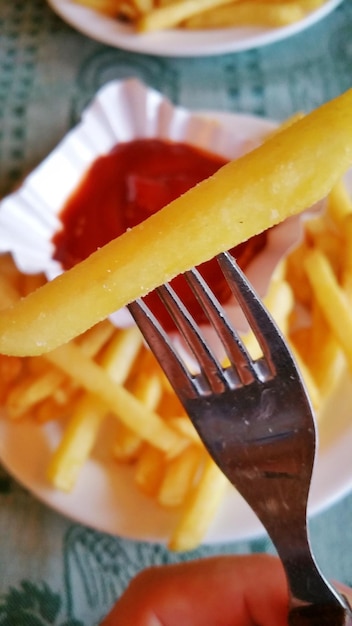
x=231, y=341
x=209, y=365
x=267, y=333
x=161, y=345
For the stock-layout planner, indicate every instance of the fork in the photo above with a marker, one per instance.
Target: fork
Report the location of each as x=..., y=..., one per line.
x=255, y=419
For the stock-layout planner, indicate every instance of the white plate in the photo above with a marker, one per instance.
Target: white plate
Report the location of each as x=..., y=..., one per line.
x=177, y=42
x=106, y=499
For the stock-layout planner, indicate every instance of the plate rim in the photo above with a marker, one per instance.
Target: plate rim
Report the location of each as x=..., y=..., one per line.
x=252, y=527
x=209, y=42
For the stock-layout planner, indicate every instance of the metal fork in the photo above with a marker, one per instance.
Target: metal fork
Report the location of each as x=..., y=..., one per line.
x=256, y=421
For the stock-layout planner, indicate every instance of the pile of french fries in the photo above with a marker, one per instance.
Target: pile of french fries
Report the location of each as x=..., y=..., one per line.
x=153, y=15
x=109, y=373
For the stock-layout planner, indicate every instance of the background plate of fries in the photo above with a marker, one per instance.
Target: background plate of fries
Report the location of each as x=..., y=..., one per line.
x=179, y=31
x=66, y=446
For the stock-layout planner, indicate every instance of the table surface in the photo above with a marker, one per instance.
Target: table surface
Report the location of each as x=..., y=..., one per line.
x=53, y=571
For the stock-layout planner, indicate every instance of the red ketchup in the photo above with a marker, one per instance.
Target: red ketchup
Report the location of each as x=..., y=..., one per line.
x=124, y=187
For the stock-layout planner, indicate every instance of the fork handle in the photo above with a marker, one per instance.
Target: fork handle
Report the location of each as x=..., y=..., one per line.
x=308, y=586
x=320, y=615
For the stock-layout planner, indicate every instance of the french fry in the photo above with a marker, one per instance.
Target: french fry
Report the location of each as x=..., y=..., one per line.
x=339, y=204
x=143, y=6
x=148, y=390
x=120, y=402
x=173, y=14
x=184, y=426
x=75, y=446
x=94, y=339
x=297, y=166
x=82, y=430
x=148, y=15
x=331, y=298
x=179, y=477
x=200, y=510
x=32, y=390
x=149, y=470
x=108, y=7
x=346, y=278
x=54, y=410
x=127, y=445
x=247, y=13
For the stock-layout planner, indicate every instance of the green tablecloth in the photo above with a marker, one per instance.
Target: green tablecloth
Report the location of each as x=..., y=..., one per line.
x=53, y=571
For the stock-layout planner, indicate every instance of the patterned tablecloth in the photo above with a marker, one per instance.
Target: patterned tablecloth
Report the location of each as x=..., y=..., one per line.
x=53, y=571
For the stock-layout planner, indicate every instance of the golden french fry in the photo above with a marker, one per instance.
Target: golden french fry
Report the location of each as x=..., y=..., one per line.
x=311, y=5
x=143, y=6
x=95, y=338
x=121, y=352
x=339, y=204
x=201, y=509
x=331, y=298
x=77, y=441
x=296, y=275
x=8, y=291
x=184, y=426
x=52, y=410
x=80, y=435
x=329, y=241
x=311, y=386
x=149, y=470
x=127, y=445
x=204, y=14
x=279, y=302
x=173, y=14
x=148, y=390
x=108, y=7
x=147, y=424
x=11, y=370
x=179, y=477
x=346, y=278
x=127, y=11
x=248, y=13
x=32, y=390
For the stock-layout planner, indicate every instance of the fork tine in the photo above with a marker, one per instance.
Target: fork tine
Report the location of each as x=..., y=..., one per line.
x=160, y=344
x=263, y=326
x=231, y=341
x=209, y=365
